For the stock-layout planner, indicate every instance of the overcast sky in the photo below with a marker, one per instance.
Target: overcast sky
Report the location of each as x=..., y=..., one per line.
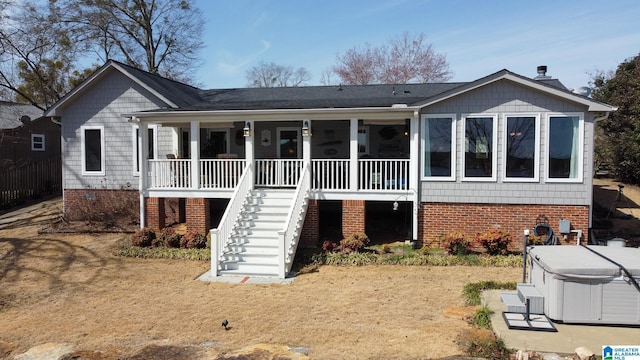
x=479, y=37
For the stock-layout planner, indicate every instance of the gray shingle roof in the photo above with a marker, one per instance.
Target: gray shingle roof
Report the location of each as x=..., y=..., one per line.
x=10, y=114
x=314, y=97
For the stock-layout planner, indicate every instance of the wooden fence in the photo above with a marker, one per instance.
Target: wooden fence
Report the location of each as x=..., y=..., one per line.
x=30, y=181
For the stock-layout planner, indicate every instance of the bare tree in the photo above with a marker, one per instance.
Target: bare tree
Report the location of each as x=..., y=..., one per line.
x=35, y=57
x=404, y=59
x=274, y=75
x=160, y=36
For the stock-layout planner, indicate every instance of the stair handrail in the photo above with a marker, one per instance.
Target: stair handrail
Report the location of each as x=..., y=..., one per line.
x=221, y=234
x=290, y=233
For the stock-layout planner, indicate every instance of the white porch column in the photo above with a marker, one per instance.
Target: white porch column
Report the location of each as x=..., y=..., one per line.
x=249, y=153
x=306, y=144
x=194, y=134
x=143, y=150
x=414, y=168
x=353, y=154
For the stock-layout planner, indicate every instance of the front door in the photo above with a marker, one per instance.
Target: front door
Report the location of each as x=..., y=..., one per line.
x=288, y=143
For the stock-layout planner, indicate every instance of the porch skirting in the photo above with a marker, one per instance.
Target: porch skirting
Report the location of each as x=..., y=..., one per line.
x=437, y=219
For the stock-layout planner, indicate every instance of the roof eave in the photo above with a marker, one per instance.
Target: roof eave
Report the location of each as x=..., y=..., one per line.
x=395, y=112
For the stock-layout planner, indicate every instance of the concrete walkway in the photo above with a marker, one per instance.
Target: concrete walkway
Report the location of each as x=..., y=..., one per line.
x=565, y=341
x=242, y=279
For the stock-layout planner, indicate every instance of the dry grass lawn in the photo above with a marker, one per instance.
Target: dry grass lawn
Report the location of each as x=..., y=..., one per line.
x=70, y=288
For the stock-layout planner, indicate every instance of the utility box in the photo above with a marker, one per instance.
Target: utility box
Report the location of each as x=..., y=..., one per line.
x=565, y=226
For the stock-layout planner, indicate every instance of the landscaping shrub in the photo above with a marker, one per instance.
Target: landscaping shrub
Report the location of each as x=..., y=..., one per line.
x=193, y=240
x=457, y=244
x=167, y=238
x=143, y=237
x=482, y=318
x=484, y=344
x=495, y=241
x=355, y=242
x=328, y=246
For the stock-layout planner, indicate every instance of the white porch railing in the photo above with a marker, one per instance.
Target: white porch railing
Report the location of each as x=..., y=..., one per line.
x=326, y=174
x=278, y=172
x=222, y=234
x=330, y=174
x=383, y=174
x=220, y=173
x=290, y=235
x=170, y=173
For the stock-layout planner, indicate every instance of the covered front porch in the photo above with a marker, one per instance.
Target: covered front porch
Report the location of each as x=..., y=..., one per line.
x=270, y=169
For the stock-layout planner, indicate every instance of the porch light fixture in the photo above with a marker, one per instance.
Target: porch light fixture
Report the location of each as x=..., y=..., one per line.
x=305, y=128
x=395, y=206
x=247, y=129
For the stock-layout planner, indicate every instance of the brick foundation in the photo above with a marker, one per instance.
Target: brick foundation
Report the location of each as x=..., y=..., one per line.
x=197, y=214
x=154, y=213
x=353, y=217
x=438, y=219
x=311, y=230
x=102, y=205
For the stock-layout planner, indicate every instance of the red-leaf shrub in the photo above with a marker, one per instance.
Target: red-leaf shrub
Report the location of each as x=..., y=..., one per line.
x=355, y=242
x=167, y=238
x=457, y=244
x=495, y=241
x=143, y=237
x=193, y=240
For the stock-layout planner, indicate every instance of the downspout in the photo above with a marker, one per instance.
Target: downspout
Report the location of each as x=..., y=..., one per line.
x=414, y=165
x=595, y=122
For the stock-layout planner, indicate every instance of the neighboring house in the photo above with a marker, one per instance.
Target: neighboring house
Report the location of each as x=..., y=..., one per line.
x=25, y=136
x=502, y=151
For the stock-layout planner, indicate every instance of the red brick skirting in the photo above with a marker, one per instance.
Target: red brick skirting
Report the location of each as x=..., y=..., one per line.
x=353, y=217
x=311, y=230
x=438, y=219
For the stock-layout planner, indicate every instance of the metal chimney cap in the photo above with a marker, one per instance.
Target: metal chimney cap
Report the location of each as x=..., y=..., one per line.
x=542, y=70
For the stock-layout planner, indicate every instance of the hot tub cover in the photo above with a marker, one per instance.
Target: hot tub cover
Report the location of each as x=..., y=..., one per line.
x=580, y=262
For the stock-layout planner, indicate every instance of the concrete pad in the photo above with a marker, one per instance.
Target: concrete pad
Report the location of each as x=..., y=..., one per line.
x=565, y=341
x=242, y=279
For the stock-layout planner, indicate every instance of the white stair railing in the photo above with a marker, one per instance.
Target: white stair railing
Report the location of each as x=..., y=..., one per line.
x=290, y=234
x=221, y=235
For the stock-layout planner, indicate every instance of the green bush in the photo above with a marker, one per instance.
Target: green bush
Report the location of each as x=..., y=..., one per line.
x=355, y=242
x=471, y=291
x=193, y=240
x=457, y=244
x=495, y=241
x=482, y=318
x=143, y=237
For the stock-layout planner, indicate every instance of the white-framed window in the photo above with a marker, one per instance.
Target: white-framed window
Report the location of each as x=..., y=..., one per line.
x=480, y=155
x=92, y=150
x=565, y=147
x=438, y=147
x=363, y=140
x=37, y=142
x=521, y=148
x=152, y=140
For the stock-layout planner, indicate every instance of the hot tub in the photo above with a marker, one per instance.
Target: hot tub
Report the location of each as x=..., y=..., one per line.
x=579, y=286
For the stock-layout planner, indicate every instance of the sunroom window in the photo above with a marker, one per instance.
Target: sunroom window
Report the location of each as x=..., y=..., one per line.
x=479, y=148
x=565, y=147
x=438, y=139
x=521, y=148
